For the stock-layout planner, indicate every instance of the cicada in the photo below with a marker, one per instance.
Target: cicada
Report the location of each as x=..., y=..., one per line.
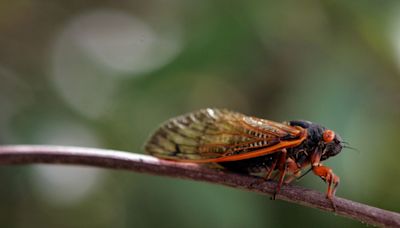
x=250, y=145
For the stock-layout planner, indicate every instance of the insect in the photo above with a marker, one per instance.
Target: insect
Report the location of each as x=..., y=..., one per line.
x=249, y=145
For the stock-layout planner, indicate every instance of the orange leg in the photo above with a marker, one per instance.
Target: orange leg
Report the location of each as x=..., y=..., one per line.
x=282, y=171
x=271, y=169
x=328, y=176
x=293, y=170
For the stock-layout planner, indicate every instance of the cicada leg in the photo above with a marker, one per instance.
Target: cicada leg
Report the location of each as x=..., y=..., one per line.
x=328, y=176
x=293, y=170
x=285, y=165
x=269, y=172
x=282, y=171
x=271, y=169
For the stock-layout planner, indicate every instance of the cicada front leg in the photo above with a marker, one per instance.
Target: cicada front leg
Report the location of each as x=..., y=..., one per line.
x=329, y=177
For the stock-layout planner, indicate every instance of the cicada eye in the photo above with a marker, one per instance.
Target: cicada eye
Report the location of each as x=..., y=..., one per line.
x=328, y=136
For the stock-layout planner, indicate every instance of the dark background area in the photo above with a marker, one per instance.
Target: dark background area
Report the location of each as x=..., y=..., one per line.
x=107, y=73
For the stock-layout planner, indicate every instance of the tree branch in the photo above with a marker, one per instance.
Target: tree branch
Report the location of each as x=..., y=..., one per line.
x=29, y=154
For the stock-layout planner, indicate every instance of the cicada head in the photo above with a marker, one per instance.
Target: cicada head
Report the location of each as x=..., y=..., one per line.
x=321, y=139
x=332, y=147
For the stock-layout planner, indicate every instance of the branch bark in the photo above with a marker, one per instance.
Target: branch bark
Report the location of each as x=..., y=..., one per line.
x=31, y=154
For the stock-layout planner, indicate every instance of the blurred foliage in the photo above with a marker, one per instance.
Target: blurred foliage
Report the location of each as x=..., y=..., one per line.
x=107, y=73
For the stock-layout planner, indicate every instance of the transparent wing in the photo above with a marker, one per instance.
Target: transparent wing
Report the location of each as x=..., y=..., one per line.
x=216, y=133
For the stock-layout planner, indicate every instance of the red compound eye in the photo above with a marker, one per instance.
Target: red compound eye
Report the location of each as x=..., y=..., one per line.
x=328, y=136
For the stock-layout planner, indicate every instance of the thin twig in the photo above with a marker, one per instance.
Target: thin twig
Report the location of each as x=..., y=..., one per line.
x=28, y=154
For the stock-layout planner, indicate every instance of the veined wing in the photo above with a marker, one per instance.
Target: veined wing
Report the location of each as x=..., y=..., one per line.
x=216, y=135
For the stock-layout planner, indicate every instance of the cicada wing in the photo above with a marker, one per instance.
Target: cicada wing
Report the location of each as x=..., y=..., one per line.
x=211, y=134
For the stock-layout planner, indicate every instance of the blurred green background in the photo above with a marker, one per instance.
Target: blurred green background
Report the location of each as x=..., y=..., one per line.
x=107, y=73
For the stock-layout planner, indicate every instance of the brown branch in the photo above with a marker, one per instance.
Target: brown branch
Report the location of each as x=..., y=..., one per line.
x=28, y=154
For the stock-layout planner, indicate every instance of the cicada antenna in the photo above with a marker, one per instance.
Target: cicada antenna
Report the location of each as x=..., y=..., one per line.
x=347, y=146
x=352, y=148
